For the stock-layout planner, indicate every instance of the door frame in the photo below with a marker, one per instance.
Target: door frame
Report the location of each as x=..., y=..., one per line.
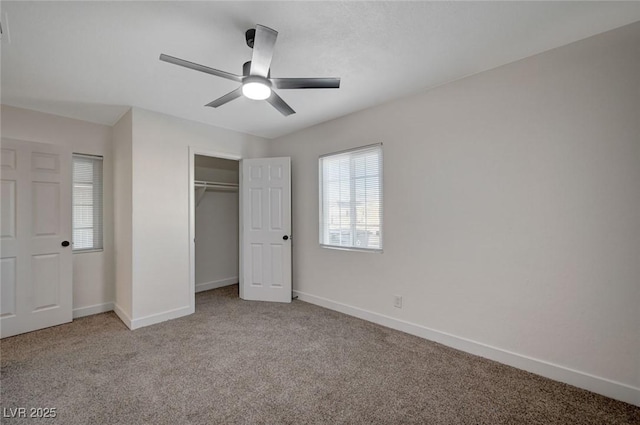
x=193, y=151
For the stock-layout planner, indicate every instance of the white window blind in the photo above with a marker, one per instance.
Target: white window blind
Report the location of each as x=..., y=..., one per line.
x=87, y=202
x=351, y=199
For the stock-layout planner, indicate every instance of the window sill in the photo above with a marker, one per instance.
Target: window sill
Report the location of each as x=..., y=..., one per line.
x=346, y=248
x=86, y=251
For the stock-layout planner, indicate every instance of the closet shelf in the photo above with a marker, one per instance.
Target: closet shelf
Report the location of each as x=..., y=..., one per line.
x=201, y=186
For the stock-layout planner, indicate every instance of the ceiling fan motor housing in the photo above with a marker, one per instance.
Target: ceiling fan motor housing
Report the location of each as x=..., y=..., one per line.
x=246, y=69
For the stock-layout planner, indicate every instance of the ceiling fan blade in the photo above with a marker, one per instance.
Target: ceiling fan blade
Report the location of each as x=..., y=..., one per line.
x=201, y=68
x=306, y=83
x=280, y=104
x=263, y=44
x=226, y=98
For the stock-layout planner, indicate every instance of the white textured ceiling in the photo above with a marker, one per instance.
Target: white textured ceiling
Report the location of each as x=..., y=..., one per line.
x=91, y=60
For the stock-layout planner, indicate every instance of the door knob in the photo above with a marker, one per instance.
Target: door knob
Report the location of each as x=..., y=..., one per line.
x=65, y=243
x=285, y=237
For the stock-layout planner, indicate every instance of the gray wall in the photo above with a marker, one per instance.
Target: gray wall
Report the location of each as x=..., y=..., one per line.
x=511, y=211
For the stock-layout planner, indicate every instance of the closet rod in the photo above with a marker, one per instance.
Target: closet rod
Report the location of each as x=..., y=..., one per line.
x=215, y=185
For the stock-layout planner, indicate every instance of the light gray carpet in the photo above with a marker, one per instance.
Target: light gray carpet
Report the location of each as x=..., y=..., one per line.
x=236, y=361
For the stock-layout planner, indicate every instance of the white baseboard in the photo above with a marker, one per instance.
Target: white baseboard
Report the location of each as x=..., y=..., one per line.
x=205, y=286
x=606, y=387
x=122, y=315
x=92, y=309
x=161, y=317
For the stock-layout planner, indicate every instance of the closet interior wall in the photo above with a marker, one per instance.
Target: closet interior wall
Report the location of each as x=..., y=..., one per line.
x=216, y=224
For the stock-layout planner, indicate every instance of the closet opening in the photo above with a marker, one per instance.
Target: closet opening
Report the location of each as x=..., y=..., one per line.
x=214, y=205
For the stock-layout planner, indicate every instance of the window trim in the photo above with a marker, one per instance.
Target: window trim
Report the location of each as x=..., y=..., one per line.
x=92, y=249
x=321, y=193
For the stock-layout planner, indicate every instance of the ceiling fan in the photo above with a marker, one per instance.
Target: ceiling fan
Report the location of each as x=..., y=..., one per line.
x=256, y=78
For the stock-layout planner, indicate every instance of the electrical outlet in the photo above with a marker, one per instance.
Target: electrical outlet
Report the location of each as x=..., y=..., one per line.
x=397, y=301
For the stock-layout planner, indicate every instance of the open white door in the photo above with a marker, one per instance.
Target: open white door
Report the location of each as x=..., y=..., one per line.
x=265, y=229
x=36, y=265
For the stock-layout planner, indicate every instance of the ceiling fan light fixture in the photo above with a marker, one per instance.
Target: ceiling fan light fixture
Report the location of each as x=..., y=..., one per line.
x=256, y=88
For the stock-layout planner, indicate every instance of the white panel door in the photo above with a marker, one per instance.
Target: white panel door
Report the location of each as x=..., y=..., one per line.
x=265, y=229
x=36, y=268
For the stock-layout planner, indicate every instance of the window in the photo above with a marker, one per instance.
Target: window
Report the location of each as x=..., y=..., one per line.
x=351, y=199
x=87, y=202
